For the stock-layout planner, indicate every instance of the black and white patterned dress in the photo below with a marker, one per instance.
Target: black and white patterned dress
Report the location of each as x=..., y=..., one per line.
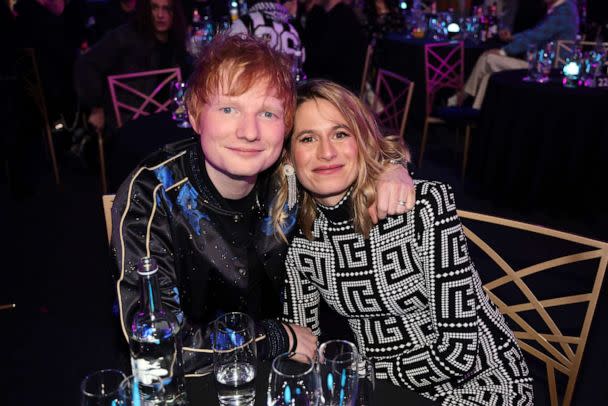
x=413, y=300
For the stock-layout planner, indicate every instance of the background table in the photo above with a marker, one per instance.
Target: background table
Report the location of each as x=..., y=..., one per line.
x=201, y=391
x=138, y=138
x=541, y=145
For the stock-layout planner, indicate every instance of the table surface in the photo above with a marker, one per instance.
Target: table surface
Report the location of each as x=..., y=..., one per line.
x=201, y=391
x=514, y=79
x=537, y=140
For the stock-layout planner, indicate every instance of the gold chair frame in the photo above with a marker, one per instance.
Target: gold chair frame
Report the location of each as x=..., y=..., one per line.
x=390, y=108
x=446, y=68
x=556, y=349
x=108, y=201
x=33, y=85
x=369, y=54
x=122, y=81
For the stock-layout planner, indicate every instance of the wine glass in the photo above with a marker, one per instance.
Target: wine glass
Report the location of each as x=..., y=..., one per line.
x=293, y=383
x=179, y=111
x=338, y=368
x=234, y=358
x=147, y=390
x=100, y=388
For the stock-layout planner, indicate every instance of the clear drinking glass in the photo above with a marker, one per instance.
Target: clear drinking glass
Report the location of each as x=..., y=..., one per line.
x=148, y=391
x=293, y=383
x=179, y=112
x=532, y=59
x=100, y=388
x=338, y=368
x=545, y=62
x=234, y=359
x=367, y=381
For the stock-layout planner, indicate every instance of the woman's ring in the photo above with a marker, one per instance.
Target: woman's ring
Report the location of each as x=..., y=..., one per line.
x=401, y=202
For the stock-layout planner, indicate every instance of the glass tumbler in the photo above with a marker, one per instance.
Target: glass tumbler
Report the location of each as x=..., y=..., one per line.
x=149, y=391
x=100, y=388
x=234, y=359
x=532, y=59
x=179, y=112
x=367, y=381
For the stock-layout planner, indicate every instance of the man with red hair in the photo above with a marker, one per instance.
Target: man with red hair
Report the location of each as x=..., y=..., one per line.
x=200, y=207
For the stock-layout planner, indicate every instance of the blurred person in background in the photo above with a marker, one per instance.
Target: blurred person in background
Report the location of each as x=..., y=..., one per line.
x=155, y=39
x=55, y=29
x=110, y=15
x=338, y=45
x=560, y=23
x=312, y=17
x=383, y=16
x=273, y=22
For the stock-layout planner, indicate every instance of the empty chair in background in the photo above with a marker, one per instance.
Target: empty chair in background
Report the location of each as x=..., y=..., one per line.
x=444, y=69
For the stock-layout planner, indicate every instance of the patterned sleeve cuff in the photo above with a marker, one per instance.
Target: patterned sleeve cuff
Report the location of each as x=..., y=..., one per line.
x=276, y=342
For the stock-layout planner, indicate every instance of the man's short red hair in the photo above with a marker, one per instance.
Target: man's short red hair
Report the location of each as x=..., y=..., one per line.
x=236, y=63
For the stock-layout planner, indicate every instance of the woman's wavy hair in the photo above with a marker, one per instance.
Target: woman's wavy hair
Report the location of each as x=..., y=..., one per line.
x=235, y=64
x=373, y=148
x=145, y=25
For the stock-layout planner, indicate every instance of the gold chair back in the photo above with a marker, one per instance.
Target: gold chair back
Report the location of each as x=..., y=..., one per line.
x=539, y=297
x=392, y=99
x=367, y=67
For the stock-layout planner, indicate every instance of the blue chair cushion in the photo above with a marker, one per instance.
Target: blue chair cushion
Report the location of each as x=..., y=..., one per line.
x=457, y=114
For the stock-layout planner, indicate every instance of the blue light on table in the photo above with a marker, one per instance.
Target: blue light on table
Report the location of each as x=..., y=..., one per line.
x=453, y=28
x=571, y=73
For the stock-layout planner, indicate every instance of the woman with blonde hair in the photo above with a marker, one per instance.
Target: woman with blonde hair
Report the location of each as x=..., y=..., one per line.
x=406, y=286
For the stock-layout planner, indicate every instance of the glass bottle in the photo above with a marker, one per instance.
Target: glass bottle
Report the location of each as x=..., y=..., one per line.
x=234, y=10
x=297, y=70
x=196, y=33
x=493, y=21
x=154, y=341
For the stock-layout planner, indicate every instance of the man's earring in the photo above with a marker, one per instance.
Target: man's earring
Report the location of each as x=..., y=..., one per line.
x=292, y=192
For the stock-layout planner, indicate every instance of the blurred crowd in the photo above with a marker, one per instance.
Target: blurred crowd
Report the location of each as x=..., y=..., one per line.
x=78, y=43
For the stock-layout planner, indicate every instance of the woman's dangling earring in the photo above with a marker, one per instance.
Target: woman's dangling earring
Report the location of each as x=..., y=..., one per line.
x=292, y=192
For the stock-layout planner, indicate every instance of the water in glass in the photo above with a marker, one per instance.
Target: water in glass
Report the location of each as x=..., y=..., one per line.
x=234, y=358
x=235, y=384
